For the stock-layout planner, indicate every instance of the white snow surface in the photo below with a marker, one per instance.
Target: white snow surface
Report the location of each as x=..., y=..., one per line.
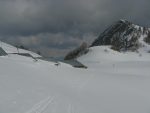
x=11, y=49
x=113, y=83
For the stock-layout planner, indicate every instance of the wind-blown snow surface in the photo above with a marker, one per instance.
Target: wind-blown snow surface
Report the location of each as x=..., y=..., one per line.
x=113, y=83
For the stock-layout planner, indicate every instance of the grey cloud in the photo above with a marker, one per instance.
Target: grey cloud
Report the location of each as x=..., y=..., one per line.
x=28, y=17
x=64, y=24
x=47, y=42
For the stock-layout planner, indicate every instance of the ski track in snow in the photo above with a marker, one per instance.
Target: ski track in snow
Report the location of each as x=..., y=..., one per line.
x=41, y=106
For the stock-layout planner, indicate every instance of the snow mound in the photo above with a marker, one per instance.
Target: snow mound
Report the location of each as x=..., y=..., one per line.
x=104, y=54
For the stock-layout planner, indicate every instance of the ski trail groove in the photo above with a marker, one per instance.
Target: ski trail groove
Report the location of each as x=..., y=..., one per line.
x=41, y=106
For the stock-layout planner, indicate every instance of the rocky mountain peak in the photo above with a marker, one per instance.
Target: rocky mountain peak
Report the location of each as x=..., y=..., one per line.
x=122, y=35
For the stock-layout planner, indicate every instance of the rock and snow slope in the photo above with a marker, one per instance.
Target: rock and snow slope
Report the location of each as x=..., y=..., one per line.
x=124, y=36
x=115, y=82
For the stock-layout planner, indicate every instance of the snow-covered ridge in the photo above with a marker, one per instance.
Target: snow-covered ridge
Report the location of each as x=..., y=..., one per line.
x=22, y=56
x=11, y=49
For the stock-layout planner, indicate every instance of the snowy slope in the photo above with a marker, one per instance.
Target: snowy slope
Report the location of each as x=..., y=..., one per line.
x=104, y=54
x=11, y=49
x=114, y=83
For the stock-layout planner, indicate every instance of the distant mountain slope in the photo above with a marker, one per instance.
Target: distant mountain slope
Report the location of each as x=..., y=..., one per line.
x=121, y=42
x=123, y=36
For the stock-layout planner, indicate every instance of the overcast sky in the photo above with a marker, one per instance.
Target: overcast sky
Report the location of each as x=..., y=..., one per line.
x=56, y=26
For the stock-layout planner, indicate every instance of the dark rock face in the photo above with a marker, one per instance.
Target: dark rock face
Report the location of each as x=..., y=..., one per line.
x=147, y=39
x=123, y=35
x=83, y=49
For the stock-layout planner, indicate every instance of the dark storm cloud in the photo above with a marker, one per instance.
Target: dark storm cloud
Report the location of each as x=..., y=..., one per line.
x=28, y=17
x=63, y=24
